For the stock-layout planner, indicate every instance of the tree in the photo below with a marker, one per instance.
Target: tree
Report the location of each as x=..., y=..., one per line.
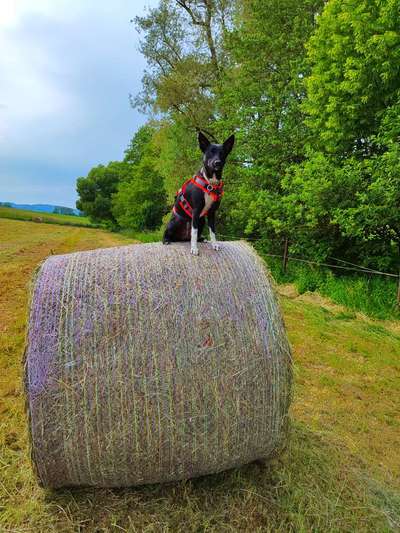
x=183, y=42
x=344, y=199
x=139, y=143
x=374, y=216
x=355, y=73
x=261, y=98
x=140, y=202
x=96, y=189
x=183, y=45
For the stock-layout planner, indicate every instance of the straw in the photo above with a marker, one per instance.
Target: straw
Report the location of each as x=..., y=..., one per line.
x=146, y=364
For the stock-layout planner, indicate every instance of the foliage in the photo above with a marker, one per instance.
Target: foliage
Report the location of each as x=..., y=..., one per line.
x=311, y=89
x=355, y=58
x=96, y=190
x=138, y=144
x=344, y=199
x=375, y=296
x=140, y=201
x=183, y=44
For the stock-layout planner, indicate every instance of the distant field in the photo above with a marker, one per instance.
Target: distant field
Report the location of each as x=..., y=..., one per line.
x=341, y=472
x=47, y=218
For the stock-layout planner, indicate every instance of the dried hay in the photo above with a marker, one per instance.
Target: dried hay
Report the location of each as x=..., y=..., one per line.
x=145, y=364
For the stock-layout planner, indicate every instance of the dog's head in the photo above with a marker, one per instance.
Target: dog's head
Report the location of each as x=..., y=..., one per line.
x=215, y=155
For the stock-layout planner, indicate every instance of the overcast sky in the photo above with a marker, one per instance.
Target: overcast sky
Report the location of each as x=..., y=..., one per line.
x=66, y=70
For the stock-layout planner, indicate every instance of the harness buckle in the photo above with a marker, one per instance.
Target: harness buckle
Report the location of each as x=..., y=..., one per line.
x=210, y=187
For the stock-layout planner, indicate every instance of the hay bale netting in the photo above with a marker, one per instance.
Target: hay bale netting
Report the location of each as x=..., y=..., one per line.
x=146, y=364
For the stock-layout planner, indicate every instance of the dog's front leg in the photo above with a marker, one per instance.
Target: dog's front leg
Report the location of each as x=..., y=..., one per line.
x=211, y=226
x=195, y=232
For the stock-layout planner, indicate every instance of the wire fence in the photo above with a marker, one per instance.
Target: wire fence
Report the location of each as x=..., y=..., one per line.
x=352, y=266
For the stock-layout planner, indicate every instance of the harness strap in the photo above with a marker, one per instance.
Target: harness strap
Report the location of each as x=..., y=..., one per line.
x=185, y=205
x=215, y=191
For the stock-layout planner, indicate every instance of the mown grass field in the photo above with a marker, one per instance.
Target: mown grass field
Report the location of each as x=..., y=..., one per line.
x=341, y=471
x=47, y=218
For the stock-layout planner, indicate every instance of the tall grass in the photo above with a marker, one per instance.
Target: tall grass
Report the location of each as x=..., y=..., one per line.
x=144, y=236
x=370, y=294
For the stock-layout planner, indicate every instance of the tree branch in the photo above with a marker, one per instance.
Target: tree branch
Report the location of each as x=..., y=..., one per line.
x=195, y=21
x=210, y=40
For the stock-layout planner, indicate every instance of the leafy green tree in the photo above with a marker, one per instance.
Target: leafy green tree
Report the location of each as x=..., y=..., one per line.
x=312, y=191
x=344, y=200
x=183, y=44
x=355, y=61
x=96, y=189
x=374, y=215
x=261, y=97
x=347, y=209
x=140, y=202
x=139, y=143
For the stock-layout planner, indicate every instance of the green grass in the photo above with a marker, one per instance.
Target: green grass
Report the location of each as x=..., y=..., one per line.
x=340, y=472
x=144, y=236
x=376, y=296
x=47, y=218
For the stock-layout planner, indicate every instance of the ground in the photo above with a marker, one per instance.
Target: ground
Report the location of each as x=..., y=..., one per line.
x=340, y=472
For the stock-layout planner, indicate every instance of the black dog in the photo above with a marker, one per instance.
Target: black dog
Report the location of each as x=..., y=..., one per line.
x=200, y=197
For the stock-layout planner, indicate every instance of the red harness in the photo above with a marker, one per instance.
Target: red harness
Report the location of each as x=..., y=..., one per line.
x=215, y=191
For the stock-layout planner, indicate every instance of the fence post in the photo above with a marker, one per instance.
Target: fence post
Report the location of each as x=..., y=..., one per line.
x=285, y=255
x=398, y=290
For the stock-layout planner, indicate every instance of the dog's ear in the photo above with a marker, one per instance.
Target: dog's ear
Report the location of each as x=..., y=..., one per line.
x=204, y=143
x=228, y=144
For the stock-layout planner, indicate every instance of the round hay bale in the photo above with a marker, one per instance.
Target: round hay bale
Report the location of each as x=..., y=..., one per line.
x=145, y=364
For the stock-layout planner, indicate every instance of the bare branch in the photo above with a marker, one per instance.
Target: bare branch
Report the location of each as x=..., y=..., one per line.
x=185, y=6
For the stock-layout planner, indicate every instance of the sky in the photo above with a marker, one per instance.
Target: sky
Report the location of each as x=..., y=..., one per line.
x=67, y=68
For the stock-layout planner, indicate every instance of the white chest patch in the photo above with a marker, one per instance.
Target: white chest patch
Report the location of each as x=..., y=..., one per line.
x=208, y=203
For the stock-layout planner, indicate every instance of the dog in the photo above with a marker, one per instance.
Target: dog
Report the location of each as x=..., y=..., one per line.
x=200, y=197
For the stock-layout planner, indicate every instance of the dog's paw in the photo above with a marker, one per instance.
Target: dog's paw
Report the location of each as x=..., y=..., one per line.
x=194, y=250
x=216, y=246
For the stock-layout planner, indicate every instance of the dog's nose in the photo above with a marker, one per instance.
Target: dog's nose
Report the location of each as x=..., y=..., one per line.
x=217, y=163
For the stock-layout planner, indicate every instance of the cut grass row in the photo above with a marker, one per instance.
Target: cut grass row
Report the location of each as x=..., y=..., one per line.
x=341, y=471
